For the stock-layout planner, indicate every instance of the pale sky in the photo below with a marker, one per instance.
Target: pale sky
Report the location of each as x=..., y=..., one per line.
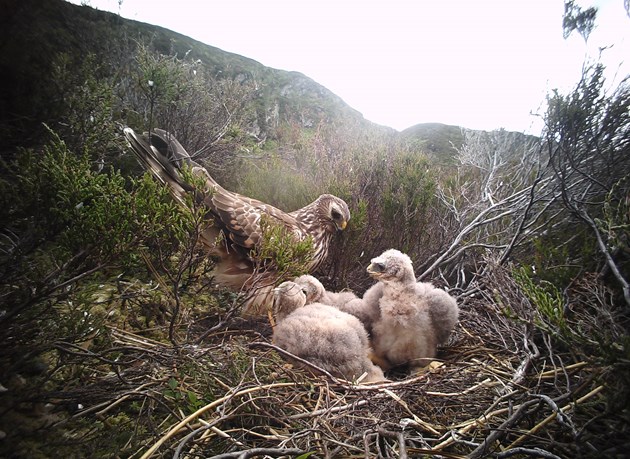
x=480, y=64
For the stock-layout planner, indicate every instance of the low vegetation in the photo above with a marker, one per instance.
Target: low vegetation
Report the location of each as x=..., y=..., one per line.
x=117, y=343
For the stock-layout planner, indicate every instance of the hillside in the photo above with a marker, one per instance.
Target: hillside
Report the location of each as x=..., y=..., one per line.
x=438, y=140
x=34, y=33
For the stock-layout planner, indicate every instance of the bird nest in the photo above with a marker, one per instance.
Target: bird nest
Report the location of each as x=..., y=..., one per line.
x=500, y=388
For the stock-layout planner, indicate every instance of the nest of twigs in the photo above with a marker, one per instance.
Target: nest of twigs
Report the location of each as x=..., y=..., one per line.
x=502, y=387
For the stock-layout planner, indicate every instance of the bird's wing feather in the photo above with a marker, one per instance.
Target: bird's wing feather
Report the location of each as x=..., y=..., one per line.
x=238, y=215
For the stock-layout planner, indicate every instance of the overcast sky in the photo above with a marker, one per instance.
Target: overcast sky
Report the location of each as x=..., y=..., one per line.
x=480, y=64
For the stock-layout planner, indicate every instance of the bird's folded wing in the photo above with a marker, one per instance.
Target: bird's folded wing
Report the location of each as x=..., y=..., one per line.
x=241, y=217
x=237, y=215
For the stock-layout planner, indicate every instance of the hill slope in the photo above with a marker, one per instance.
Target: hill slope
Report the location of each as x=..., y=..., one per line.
x=34, y=33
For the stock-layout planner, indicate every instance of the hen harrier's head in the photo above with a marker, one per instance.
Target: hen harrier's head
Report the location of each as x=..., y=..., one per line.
x=333, y=211
x=287, y=297
x=392, y=266
x=312, y=287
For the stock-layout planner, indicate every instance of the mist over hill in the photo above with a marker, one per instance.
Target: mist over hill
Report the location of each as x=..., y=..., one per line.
x=35, y=33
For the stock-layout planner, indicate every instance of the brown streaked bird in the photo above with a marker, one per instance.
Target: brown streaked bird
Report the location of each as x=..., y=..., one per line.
x=323, y=335
x=414, y=316
x=236, y=231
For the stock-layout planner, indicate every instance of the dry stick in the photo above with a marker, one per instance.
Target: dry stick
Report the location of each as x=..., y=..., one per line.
x=341, y=382
x=500, y=431
x=464, y=428
x=486, y=383
x=255, y=452
x=211, y=427
x=553, y=416
x=336, y=409
x=294, y=357
x=134, y=338
x=110, y=404
x=203, y=409
x=433, y=453
x=476, y=222
x=625, y=286
x=536, y=452
x=553, y=373
x=416, y=419
x=400, y=436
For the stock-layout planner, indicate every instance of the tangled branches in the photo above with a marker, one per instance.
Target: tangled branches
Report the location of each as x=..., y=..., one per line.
x=501, y=388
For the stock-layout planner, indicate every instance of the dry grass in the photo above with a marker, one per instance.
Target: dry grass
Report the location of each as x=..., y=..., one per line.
x=503, y=388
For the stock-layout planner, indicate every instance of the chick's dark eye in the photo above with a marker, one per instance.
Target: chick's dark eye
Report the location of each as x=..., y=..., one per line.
x=379, y=267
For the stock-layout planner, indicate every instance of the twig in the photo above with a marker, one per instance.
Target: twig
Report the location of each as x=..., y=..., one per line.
x=536, y=452
x=260, y=452
x=203, y=409
x=336, y=409
x=501, y=431
x=553, y=373
x=400, y=437
x=550, y=418
x=295, y=357
x=416, y=419
x=485, y=383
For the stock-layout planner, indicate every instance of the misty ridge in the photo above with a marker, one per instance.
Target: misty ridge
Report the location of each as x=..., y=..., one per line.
x=118, y=340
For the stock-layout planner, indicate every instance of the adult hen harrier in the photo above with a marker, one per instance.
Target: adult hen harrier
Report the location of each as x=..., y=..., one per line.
x=237, y=219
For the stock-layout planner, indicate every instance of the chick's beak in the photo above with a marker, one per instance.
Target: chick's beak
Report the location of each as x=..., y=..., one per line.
x=375, y=268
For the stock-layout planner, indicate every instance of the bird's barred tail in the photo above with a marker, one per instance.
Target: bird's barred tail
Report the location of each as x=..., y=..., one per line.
x=163, y=157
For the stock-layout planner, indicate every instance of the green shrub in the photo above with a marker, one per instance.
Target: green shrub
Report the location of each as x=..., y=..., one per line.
x=280, y=250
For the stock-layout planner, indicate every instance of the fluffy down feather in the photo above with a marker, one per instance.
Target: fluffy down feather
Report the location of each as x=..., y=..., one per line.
x=414, y=316
x=316, y=293
x=365, y=309
x=236, y=228
x=323, y=335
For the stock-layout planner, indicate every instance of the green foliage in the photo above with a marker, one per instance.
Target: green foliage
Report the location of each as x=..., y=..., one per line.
x=272, y=181
x=86, y=104
x=577, y=19
x=280, y=250
x=587, y=140
x=558, y=257
x=582, y=316
x=407, y=195
x=70, y=227
x=187, y=399
x=439, y=141
x=547, y=299
x=61, y=198
x=181, y=95
x=615, y=221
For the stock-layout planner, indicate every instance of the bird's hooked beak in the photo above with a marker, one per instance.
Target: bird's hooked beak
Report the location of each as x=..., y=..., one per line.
x=375, y=268
x=342, y=225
